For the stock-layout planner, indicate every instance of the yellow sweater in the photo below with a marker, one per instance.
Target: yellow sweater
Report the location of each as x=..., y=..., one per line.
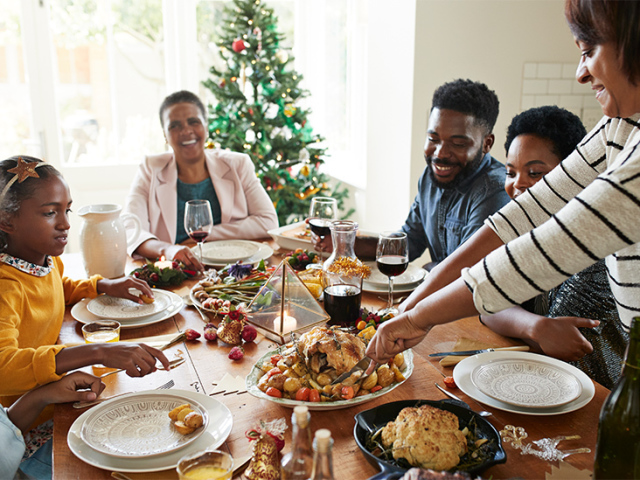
x=31, y=313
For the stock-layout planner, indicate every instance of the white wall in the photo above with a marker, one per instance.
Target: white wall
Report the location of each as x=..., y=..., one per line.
x=484, y=40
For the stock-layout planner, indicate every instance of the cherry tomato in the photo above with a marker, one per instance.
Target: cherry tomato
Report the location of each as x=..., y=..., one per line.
x=303, y=394
x=274, y=392
x=347, y=392
x=449, y=382
x=314, y=395
x=275, y=359
x=376, y=388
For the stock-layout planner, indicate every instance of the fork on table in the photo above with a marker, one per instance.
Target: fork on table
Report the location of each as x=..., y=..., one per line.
x=165, y=386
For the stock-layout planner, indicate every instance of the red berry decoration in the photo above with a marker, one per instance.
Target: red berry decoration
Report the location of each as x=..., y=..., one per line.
x=210, y=332
x=236, y=353
x=191, y=334
x=238, y=45
x=249, y=333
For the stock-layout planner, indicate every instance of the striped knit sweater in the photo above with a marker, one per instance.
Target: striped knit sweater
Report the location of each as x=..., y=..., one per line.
x=586, y=209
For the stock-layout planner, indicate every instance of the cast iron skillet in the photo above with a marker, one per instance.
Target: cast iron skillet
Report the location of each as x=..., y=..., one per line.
x=371, y=420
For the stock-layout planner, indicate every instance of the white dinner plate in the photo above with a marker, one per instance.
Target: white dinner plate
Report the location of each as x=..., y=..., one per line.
x=116, y=308
x=80, y=312
x=526, y=383
x=290, y=241
x=413, y=275
x=463, y=370
x=139, y=426
x=220, y=424
x=263, y=252
x=368, y=287
x=229, y=251
x=251, y=381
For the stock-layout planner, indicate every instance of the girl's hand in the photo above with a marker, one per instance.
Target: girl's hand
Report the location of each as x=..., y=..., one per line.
x=137, y=359
x=119, y=287
x=560, y=338
x=75, y=387
x=182, y=253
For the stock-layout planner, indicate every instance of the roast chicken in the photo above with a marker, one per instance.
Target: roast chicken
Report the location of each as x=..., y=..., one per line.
x=326, y=348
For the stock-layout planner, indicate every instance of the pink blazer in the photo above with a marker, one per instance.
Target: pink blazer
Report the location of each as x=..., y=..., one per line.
x=247, y=210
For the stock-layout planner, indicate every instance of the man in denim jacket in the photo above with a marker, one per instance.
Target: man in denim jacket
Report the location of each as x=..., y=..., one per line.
x=462, y=184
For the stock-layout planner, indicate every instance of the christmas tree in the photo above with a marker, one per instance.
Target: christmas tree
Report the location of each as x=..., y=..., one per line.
x=258, y=111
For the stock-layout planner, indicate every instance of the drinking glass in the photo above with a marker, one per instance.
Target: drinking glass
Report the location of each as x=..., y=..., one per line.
x=198, y=221
x=105, y=331
x=392, y=258
x=322, y=212
x=206, y=465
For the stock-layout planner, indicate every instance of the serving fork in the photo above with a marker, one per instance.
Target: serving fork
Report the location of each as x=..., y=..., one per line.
x=482, y=413
x=165, y=386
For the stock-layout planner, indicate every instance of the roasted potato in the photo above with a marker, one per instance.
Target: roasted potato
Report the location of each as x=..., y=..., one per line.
x=385, y=376
x=193, y=420
x=173, y=414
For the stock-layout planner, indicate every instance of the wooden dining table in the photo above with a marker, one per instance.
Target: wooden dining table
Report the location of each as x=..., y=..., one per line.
x=207, y=362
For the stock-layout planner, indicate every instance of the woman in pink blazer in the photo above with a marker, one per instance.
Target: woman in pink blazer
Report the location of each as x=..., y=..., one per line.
x=164, y=182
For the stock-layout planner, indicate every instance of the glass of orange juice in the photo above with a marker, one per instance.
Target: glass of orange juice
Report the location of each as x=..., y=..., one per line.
x=104, y=331
x=206, y=465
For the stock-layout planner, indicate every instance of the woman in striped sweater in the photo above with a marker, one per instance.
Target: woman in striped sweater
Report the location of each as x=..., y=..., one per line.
x=586, y=209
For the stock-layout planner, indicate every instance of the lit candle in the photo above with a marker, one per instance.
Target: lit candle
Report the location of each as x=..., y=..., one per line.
x=162, y=263
x=289, y=324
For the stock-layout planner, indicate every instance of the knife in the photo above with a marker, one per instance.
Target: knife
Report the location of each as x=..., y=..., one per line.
x=520, y=348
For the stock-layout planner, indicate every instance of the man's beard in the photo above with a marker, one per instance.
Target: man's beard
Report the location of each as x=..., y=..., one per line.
x=462, y=174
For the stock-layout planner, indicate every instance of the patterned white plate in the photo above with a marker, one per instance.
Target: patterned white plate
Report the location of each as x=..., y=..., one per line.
x=116, y=308
x=413, y=274
x=220, y=425
x=462, y=376
x=139, y=426
x=526, y=383
x=229, y=251
x=80, y=312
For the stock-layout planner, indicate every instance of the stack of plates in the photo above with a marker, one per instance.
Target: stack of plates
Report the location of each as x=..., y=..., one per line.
x=224, y=252
x=407, y=282
x=130, y=314
x=134, y=433
x=523, y=382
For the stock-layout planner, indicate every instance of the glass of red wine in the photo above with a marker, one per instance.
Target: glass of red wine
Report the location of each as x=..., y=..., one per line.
x=392, y=259
x=322, y=212
x=198, y=221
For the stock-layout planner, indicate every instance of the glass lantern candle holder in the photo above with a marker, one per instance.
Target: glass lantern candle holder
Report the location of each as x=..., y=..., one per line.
x=284, y=305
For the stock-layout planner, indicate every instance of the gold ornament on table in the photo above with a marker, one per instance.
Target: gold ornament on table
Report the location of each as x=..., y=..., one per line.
x=268, y=440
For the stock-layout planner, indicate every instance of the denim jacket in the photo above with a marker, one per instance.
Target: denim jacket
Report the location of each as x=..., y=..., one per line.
x=441, y=219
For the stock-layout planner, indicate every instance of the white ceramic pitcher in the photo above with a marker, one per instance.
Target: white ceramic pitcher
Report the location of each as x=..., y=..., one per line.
x=103, y=239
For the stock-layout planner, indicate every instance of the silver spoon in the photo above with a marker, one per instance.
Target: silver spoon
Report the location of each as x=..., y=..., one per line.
x=482, y=413
x=189, y=302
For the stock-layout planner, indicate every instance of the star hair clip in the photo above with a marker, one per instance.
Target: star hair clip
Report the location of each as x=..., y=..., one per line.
x=21, y=172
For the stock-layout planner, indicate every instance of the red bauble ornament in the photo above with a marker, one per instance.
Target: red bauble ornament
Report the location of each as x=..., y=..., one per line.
x=238, y=45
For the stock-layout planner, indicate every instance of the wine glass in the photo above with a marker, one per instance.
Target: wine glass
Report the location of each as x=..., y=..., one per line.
x=392, y=259
x=198, y=221
x=322, y=212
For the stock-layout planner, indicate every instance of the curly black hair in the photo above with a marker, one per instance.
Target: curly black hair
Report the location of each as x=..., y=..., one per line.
x=182, y=96
x=563, y=128
x=471, y=98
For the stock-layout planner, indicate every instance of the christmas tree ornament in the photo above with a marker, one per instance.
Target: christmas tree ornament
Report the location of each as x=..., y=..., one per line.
x=304, y=156
x=238, y=45
x=304, y=170
x=282, y=56
x=289, y=110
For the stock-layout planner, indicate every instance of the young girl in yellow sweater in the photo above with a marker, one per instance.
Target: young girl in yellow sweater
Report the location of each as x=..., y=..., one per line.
x=34, y=223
